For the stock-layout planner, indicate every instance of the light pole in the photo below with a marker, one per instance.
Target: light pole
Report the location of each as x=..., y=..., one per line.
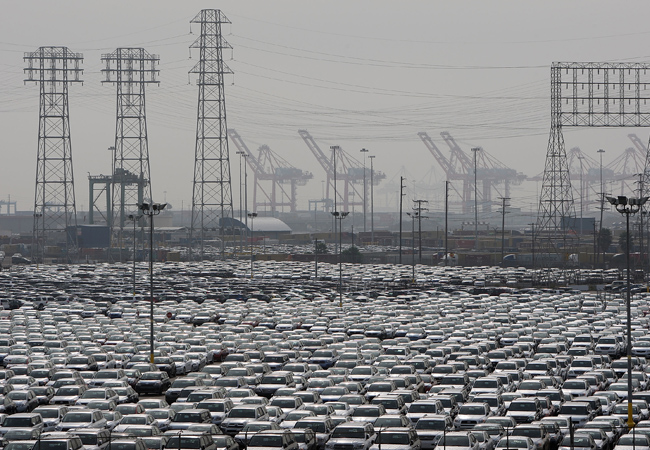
x=365, y=189
x=151, y=210
x=372, y=199
x=602, y=198
x=413, y=215
x=135, y=218
x=334, y=148
x=252, y=215
x=340, y=216
x=39, y=240
x=475, y=151
x=628, y=207
x=582, y=194
x=241, y=212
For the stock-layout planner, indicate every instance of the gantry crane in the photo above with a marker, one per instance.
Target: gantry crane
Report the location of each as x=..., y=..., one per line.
x=460, y=166
x=452, y=172
x=489, y=170
x=348, y=170
x=268, y=166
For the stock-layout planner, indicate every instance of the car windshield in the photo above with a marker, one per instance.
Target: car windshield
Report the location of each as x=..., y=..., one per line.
x=530, y=432
x=183, y=416
x=212, y=407
x=393, y=438
x=354, y=433
x=77, y=417
x=184, y=442
x=513, y=443
x=485, y=384
x=472, y=410
x=454, y=440
x=48, y=413
x=264, y=440
x=241, y=413
x=151, y=376
x=51, y=445
x=366, y=412
x=159, y=413
x=569, y=410
x=430, y=424
x=316, y=427
x=522, y=406
x=138, y=419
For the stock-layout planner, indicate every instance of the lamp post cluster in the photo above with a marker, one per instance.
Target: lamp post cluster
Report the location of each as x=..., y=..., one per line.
x=340, y=216
x=628, y=207
x=151, y=210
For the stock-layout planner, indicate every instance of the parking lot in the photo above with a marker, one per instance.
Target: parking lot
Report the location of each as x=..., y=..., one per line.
x=413, y=358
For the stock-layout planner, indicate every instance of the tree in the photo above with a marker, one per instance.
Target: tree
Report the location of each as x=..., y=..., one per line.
x=604, y=239
x=622, y=241
x=320, y=248
x=352, y=255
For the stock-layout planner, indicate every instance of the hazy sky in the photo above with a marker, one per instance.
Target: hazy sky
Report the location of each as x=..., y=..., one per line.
x=367, y=73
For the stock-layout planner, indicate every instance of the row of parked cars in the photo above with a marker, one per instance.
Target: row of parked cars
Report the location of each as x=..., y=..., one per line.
x=289, y=368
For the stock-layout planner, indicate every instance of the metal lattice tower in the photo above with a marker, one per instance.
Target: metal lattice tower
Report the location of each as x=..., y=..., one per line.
x=55, y=214
x=130, y=69
x=556, y=198
x=593, y=95
x=212, y=190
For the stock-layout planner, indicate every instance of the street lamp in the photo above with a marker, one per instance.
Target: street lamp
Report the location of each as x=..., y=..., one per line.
x=252, y=216
x=241, y=239
x=475, y=151
x=628, y=207
x=340, y=216
x=602, y=198
x=135, y=218
x=151, y=210
x=582, y=194
x=39, y=240
x=365, y=189
x=413, y=215
x=372, y=199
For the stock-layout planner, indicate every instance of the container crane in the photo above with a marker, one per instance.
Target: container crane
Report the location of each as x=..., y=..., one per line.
x=268, y=166
x=348, y=170
x=450, y=170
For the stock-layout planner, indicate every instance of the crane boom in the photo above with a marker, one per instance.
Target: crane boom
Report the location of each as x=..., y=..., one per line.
x=315, y=149
x=258, y=169
x=437, y=154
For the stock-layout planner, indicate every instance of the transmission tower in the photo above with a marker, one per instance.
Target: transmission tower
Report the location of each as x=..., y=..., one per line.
x=556, y=197
x=55, y=214
x=130, y=69
x=593, y=95
x=212, y=192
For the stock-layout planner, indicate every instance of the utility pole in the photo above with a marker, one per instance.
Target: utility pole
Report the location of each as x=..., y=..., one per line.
x=446, y=221
x=401, y=198
x=503, y=224
x=475, y=151
x=419, y=210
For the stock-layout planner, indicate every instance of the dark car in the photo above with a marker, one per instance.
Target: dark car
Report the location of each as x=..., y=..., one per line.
x=153, y=382
x=165, y=364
